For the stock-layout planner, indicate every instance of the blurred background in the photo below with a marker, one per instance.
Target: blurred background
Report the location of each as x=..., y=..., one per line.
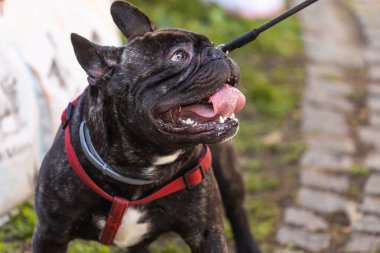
x=309, y=139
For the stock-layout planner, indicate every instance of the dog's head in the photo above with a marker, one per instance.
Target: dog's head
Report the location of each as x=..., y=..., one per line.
x=167, y=86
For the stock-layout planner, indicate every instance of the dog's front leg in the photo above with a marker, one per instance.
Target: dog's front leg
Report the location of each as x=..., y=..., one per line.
x=45, y=241
x=202, y=222
x=231, y=186
x=212, y=240
x=139, y=250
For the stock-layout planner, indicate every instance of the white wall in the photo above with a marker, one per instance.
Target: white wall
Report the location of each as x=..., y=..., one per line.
x=39, y=75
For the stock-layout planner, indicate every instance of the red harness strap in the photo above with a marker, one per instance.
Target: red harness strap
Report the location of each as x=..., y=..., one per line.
x=189, y=180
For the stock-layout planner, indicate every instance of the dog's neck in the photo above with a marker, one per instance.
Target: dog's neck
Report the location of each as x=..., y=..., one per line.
x=130, y=155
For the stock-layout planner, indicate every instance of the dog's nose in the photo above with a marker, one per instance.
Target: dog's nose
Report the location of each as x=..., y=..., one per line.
x=216, y=54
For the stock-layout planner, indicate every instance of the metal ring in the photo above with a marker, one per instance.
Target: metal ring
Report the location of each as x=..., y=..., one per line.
x=220, y=48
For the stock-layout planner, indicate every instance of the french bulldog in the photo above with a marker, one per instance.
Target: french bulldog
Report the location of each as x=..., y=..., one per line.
x=148, y=110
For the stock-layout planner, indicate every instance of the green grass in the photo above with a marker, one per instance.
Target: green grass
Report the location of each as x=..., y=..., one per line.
x=359, y=170
x=256, y=183
x=21, y=224
x=79, y=246
x=272, y=77
x=17, y=233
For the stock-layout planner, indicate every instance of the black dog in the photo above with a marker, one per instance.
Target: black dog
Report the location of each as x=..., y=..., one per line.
x=138, y=127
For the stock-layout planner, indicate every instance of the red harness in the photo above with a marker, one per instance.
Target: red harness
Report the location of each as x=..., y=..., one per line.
x=189, y=180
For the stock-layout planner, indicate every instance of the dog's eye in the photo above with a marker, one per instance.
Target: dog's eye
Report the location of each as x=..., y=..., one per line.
x=179, y=55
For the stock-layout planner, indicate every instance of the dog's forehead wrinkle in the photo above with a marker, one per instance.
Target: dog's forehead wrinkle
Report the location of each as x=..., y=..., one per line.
x=171, y=32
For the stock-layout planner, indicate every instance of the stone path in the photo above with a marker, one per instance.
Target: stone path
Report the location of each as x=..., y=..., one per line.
x=337, y=208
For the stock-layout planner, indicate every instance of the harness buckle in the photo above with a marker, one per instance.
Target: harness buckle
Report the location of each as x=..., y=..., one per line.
x=186, y=179
x=68, y=112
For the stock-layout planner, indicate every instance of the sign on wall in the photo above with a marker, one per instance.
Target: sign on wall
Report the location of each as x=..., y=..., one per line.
x=39, y=75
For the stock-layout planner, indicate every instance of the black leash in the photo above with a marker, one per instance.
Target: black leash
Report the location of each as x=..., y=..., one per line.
x=253, y=34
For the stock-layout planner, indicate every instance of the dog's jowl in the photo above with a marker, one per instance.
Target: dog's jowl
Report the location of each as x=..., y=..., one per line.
x=133, y=157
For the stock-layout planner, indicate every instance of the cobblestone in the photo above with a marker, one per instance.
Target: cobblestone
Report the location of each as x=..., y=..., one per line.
x=369, y=135
x=331, y=143
x=373, y=185
x=374, y=120
x=372, y=55
x=304, y=218
x=334, y=122
x=360, y=243
x=334, y=111
x=320, y=201
x=371, y=205
x=318, y=39
x=373, y=104
x=369, y=224
x=374, y=70
x=308, y=240
x=324, y=98
x=328, y=78
x=374, y=89
x=373, y=161
x=325, y=181
x=326, y=160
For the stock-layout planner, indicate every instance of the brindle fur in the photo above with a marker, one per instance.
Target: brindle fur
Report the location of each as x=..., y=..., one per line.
x=125, y=83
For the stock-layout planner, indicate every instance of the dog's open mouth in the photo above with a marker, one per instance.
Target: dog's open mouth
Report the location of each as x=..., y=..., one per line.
x=213, y=111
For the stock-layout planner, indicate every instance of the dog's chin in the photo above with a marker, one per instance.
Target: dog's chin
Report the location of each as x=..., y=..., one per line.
x=206, y=118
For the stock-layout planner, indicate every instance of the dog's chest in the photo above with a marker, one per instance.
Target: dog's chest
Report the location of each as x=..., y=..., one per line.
x=131, y=230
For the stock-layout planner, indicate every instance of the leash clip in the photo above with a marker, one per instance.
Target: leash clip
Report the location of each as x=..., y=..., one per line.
x=221, y=46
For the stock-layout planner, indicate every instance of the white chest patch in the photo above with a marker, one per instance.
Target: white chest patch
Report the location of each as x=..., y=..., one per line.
x=130, y=231
x=167, y=159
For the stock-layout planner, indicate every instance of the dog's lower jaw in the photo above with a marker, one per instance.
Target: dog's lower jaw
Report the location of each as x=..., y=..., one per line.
x=229, y=139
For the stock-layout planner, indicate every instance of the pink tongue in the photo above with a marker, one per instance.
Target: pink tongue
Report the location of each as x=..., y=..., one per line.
x=225, y=101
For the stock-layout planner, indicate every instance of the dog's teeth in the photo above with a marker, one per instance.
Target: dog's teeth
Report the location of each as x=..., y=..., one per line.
x=232, y=116
x=221, y=120
x=188, y=121
x=180, y=108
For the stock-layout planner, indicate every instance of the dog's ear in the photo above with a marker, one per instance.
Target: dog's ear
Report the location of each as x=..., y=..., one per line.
x=96, y=60
x=131, y=21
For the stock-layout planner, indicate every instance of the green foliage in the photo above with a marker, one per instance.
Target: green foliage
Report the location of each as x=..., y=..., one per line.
x=79, y=246
x=228, y=231
x=264, y=214
x=359, y=170
x=21, y=224
x=256, y=183
x=252, y=165
x=9, y=247
x=170, y=247
x=289, y=153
